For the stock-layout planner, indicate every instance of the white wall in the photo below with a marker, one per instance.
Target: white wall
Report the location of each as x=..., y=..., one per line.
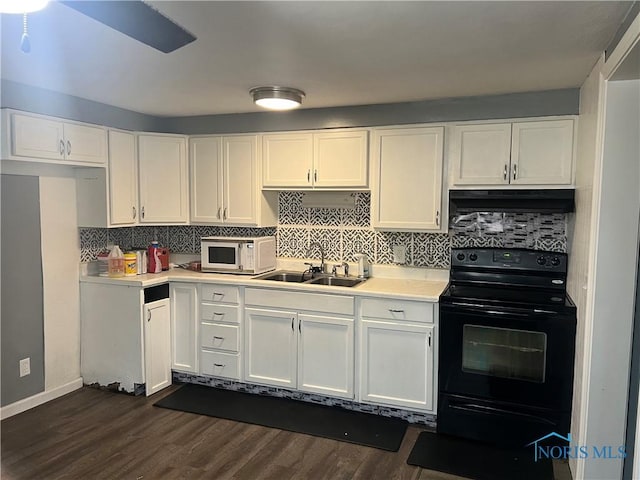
x=589, y=149
x=617, y=210
x=60, y=257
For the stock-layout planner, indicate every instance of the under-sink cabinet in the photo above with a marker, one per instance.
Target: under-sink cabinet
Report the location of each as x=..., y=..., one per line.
x=331, y=159
x=220, y=330
x=398, y=351
x=518, y=153
x=301, y=341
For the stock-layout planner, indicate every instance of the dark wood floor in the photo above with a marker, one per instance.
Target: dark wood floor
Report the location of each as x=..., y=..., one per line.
x=98, y=434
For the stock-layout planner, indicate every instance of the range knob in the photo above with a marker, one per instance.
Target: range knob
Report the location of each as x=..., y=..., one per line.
x=541, y=260
x=555, y=261
x=460, y=256
x=473, y=257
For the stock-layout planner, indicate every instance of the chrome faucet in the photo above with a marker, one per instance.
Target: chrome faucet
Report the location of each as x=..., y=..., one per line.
x=343, y=265
x=322, y=266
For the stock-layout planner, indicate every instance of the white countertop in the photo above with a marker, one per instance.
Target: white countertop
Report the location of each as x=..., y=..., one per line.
x=411, y=289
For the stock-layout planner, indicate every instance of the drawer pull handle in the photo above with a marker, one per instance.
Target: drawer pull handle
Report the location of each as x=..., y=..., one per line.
x=219, y=365
x=68, y=147
x=221, y=295
x=61, y=147
x=215, y=337
x=393, y=310
x=220, y=314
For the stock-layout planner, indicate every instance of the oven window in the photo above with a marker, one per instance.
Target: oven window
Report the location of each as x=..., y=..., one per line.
x=503, y=352
x=222, y=255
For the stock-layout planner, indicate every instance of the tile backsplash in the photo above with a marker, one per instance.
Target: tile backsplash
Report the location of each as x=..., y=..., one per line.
x=344, y=232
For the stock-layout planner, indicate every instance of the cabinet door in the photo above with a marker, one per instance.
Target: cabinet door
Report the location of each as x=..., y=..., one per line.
x=85, y=144
x=163, y=179
x=397, y=364
x=481, y=154
x=184, y=327
x=37, y=137
x=271, y=347
x=287, y=160
x=240, y=182
x=206, y=179
x=407, y=191
x=123, y=179
x=325, y=359
x=542, y=153
x=340, y=159
x=157, y=345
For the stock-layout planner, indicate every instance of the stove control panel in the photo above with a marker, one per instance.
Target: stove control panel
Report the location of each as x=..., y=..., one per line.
x=505, y=258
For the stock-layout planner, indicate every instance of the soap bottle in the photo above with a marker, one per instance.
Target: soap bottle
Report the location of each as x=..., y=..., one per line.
x=116, y=262
x=363, y=265
x=155, y=264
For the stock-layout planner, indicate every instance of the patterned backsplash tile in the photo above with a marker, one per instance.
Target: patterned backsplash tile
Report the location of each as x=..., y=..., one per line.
x=344, y=232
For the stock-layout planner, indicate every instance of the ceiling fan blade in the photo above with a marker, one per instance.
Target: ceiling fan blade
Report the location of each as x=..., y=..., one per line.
x=137, y=20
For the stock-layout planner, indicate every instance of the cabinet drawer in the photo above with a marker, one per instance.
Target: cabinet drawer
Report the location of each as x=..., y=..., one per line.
x=213, y=312
x=315, y=302
x=220, y=293
x=397, y=310
x=221, y=337
x=220, y=364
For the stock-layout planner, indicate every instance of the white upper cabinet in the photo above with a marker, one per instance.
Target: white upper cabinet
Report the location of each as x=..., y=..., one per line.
x=224, y=182
x=482, y=154
x=37, y=137
x=406, y=189
x=324, y=159
x=123, y=178
x=163, y=178
x=520, y=153
x=542, y=153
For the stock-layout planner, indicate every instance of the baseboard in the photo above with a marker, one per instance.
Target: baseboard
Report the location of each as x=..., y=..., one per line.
x=38, y=399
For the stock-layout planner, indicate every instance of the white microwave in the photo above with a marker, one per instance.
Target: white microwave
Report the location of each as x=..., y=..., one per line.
x=245, y=255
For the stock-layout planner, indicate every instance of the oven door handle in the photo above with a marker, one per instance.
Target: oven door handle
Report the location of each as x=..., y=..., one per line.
x=484, y=409
x=479, y=308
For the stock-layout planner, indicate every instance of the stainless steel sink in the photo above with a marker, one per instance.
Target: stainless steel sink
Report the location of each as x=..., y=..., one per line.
x=336, y=281
x=299, y=277
x=284, y=276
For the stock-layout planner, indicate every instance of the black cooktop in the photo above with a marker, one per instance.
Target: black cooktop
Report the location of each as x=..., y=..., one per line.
x=507, y=297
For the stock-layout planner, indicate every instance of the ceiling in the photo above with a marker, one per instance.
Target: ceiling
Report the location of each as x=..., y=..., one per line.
x=339, y=53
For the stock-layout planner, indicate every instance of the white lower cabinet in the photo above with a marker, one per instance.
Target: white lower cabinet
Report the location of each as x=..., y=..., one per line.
x=312, y=352
x=220, y=331
x=272, y=347
x=125, y=341
x=157, y=341
x=184, y=327
x=397, y=355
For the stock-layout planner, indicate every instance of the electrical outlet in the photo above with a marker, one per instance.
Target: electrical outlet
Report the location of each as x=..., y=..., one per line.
x=25, y=366
x=400, y=254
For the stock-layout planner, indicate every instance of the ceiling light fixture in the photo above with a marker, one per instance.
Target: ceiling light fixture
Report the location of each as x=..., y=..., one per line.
x=22, y=6
x=277, y=98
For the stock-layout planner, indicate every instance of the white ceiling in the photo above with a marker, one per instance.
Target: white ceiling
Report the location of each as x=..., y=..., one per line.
x=339, y=53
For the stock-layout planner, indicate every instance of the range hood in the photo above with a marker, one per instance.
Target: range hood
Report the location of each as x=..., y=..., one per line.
x=507, y=200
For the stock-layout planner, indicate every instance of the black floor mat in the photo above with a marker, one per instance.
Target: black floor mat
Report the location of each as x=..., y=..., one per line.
x=478, y=461
x=302, y=417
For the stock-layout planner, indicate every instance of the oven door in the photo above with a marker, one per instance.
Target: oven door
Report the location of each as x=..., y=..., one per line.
x=219, y=256
x=518, y=356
